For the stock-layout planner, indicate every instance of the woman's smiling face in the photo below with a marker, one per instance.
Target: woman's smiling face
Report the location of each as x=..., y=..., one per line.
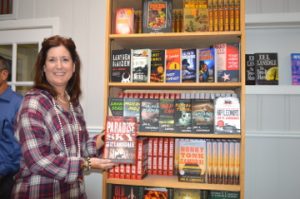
x=59, y=67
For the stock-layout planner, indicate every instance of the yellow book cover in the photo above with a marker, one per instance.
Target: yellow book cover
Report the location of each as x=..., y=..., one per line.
x=237, y=14
x=231, y=162
x=220, y=162
x=221, y=14
x=215, y=15
x=214, y=161
x=209, y=157
x=225, y=161
x=231, y=15
x=210, y=15
x=236, y=163
x=226, y=15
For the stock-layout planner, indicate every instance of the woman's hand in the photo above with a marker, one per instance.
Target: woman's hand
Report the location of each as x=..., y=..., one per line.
x=100, y=140
x=101, y=164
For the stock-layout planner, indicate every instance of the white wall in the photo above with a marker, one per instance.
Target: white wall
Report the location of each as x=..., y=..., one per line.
x=271, y=161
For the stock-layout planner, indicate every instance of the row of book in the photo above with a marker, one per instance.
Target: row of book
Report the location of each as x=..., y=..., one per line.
x=220, y=63
x=184, y=115
x=139, y=192
x=213, y=161
x=195, y=16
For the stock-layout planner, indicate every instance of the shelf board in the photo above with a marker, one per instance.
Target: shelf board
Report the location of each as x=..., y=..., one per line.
x=177, y=85
x=273, y=90
x=172, y=182
x=189, y=135
x=174, y=40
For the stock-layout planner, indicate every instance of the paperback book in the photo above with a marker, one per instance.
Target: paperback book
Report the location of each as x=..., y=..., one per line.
x=183, y=116
x=250, y=69
x=149, y=121
x=124, y=21
x=166, y=115
x=295, y=61
x=206, y=58
x=120, y=139
x=266, y=67
x=173, y=65
x=131, y=108
x=140, y=65
x=157, y=16
x=115, y=106
x=157, y=65
x=202, y=115
x=189, y=65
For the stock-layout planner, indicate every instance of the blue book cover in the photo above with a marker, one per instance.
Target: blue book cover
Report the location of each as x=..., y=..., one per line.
x=295, y=61
x=206, y=72
x=189, y=65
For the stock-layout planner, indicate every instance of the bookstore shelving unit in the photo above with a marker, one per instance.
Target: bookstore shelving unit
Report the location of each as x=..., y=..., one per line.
x=175, y=40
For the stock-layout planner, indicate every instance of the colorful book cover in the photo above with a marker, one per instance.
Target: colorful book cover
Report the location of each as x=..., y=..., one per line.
x=140, y=65
x=266, y=68
x=120, y=139
x=187, y=194
x=149, y=118
x=227, y=115
x=157, y=66
x=206, y=58
x=125, y=191
x=295, y=61
x=221, y=15
x=173, y=65
x=124, y=21
x=192, y=160
x=115, y=107
x=189, y=65
x=250, y=69
x=183, y=115
x=132, y=107
x=155, y=193
x=166, y=115
x=157, y=16
x=227, y=62
x=202, y=116
x=120, y=65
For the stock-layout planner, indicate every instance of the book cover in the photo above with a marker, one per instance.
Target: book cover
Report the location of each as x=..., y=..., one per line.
x=115, y=107
x=132, y=108
x=120, y=65
x=227, y=115
x=206, y=59
x=140, y=65
x=227, y=61
x=183, y=115
x=266, y=68
x=295, y=62
x=202, y=116
x=157, y=66
x=120, y=139
x=192, y=160
x=187, y=194
x=250, y=69
x=156, y=193
x=126, y=191
x=166, y=115
x=149, y=118
x=223, y=195
x=157, y=16
x=124, y=21
x=221, y=15
x=173, y=65
x=189, y=65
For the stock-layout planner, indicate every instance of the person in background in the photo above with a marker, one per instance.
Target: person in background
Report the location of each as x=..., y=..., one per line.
x=51, y=128
x=10, y=152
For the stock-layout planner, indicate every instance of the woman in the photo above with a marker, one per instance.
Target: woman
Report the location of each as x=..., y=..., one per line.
x=51, y=128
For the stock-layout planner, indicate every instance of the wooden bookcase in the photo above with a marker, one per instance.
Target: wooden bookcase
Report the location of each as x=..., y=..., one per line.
x=175, y=40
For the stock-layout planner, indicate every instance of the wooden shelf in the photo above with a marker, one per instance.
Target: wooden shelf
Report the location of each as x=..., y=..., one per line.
x=174, y=40
x=228, y=85
x=172, y=182
x=189, y=135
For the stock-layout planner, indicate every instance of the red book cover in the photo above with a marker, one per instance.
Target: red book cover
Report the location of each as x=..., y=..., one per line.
x=120, y=139
x=124, y=21
x=171, y=156
x=166, y=156
x=154, y=156
x=160, y=156
x=150, y=155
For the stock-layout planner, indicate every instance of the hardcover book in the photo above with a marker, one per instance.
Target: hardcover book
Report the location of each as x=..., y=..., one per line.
x=227, y=115
x=157, y=16
x=192, y=160
x=125, y=191
x=156, y=193
x=189, y=65
x=166, y=115
x=183, y=116
x=266, y=67
x=173, y=65
x=295, y=61
x=120, y=65
x=124, y=21
x=157, y=66
x=149, y=119
x=202, y=116
x=223, y=195
x=250, y=69
x=140, y=65
x=227, y=61
x=115, y=106
x=206, y=59
x=120, y=139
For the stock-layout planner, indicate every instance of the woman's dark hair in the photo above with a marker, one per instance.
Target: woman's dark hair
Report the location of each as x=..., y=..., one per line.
x=40, y=81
